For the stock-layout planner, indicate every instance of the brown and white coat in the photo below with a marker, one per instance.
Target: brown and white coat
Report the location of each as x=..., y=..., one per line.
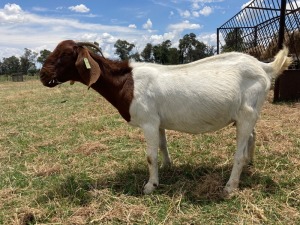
x=198, y=97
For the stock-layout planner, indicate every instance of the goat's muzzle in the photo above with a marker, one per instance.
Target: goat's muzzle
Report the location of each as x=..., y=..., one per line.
x=48, y=81
x=53, y=83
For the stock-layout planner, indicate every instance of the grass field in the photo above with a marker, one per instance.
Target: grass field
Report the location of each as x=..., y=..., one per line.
x=66, y=157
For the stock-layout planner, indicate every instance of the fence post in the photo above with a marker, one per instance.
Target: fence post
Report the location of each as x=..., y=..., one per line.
x=280, y=44
x=218, y=40
x=281, y=24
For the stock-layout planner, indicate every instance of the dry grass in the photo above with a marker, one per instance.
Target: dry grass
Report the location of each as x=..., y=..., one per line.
x=291, y=40
x=66, y=157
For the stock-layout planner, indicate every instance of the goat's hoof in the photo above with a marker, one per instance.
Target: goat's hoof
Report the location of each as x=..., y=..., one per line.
x=225, y=194
x=228, y=192
x=149, y=188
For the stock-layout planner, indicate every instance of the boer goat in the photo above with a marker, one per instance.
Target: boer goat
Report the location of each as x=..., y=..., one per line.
x=198, y=97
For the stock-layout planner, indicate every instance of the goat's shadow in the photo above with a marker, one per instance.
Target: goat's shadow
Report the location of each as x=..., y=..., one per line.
x=198, y=185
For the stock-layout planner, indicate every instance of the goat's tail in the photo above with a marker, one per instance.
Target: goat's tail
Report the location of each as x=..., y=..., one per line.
x=281, y=62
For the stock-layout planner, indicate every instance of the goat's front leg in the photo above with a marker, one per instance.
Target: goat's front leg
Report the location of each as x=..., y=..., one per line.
x=152, y=138
x=164, y=149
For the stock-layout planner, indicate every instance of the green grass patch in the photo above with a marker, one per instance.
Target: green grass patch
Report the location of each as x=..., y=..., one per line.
x=67, y=157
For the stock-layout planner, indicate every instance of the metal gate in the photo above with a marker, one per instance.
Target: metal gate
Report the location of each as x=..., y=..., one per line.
x=260, y=29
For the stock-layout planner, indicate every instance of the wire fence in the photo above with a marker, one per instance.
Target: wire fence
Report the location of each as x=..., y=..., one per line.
x=261, y=28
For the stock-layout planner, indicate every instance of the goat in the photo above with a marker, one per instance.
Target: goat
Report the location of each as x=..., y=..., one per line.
x=198, y=97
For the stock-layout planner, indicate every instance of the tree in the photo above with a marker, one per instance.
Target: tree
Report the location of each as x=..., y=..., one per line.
x=136, y=57
x=1, y=68
x=173, y=56
x=233, y=41
x=43, y=56
x=123, y=49
x=27, y=60
x=186, y=45
x=10, y=65
x=191, y=49
x=32, y=70
x=163, y=53
x=147, y=53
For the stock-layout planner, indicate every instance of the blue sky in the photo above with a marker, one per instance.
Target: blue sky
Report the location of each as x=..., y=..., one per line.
x=42, y=24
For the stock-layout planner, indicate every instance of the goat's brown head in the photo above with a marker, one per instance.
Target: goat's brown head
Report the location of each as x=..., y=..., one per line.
x=70, y=61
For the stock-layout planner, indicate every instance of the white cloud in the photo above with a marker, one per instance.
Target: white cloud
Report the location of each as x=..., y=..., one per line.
x=132, y=26
x=79, y=8
x=185, y=25
x=195, y=6
x=9, y=51
x=47, y=32
x=11, y=13
x=185, y=14
x=208, y=38
x=40, y=9
x=148, y=25
x=12, y=9
x=206, y=11
x=108, y=38
x=157, y=39
x=87, y=37
x=196, y=14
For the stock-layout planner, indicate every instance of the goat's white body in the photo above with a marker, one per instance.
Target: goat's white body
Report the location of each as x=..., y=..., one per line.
x=199, y=97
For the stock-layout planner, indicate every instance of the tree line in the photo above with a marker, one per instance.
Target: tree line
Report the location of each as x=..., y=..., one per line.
x=189, y=49
x=26, y=64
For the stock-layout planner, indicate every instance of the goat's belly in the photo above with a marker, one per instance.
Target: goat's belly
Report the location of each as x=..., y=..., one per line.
x=194, y=125
x=191, y=109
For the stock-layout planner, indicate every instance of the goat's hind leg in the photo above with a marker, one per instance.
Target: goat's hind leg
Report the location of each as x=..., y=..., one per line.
x=164, y=149
x=245, y=147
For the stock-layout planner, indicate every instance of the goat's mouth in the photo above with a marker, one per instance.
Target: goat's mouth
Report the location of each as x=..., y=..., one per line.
x=52, y=82
x=48, y=77
x=49, y=81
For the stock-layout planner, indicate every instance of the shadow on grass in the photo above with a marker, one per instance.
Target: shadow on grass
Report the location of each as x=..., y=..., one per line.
x=74, y=189
x=198, y=185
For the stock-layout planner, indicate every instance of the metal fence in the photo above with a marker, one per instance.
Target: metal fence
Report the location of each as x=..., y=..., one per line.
x=261, y=28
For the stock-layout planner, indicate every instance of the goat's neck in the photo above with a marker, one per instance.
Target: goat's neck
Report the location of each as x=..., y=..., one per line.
x=116, y=85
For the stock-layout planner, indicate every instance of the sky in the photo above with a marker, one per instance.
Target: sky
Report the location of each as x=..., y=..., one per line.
x=42, y=24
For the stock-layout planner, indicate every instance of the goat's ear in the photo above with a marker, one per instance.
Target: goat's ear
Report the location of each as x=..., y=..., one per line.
x=87, y=67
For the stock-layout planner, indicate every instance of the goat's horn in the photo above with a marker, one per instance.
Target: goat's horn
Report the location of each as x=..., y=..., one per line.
x=91, y=45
